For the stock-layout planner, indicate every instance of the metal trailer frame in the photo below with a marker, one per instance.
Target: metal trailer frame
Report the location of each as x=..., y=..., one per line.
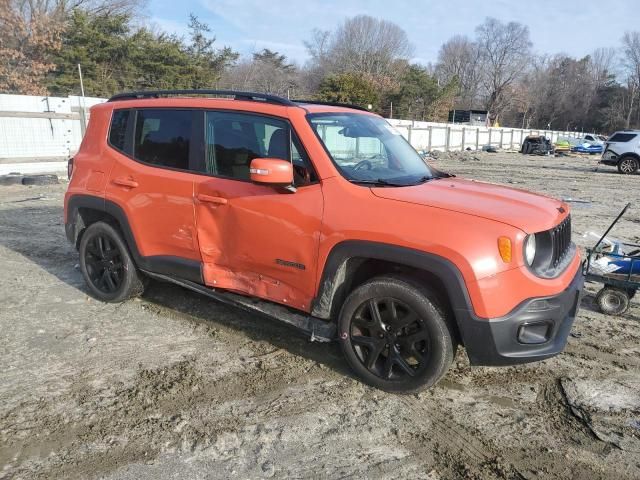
x=614, y=283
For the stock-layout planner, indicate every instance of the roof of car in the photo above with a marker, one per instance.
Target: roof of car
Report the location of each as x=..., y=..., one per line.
x=192, y=96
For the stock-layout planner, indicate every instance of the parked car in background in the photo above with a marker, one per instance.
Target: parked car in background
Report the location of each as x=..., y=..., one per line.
x=589, y=143
x=322, y=216
x=622, y=150
x=537, y=145
x=590, y=139
x=590, y=148
x=562, y=145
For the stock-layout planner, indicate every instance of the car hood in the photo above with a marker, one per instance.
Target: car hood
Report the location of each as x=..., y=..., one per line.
x=527, y=211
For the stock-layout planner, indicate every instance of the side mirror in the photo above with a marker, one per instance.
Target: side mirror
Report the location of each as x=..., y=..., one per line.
x=271, y=171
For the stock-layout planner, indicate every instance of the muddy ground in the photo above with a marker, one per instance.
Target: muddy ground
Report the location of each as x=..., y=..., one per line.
x=176, y=386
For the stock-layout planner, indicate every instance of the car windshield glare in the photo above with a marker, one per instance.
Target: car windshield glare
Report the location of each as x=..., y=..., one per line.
x=367, y=149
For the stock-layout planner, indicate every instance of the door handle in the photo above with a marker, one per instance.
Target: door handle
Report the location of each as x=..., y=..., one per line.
x=211, y=199
x=125, y=182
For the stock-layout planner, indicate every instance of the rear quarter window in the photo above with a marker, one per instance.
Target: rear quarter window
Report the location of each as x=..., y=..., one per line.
x=622, y=137
x=118, y=129
x=163, y=137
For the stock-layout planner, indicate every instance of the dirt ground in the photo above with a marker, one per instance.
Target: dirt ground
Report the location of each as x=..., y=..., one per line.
x=174, y=385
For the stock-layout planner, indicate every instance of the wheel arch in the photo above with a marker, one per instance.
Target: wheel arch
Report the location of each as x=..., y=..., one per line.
x=628, y=154
x=82, y=210
x=351, y=263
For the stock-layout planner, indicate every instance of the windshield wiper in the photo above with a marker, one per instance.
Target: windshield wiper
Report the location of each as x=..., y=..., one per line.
x=380, y=182
x=438, y=176
x=423, y=180
x=441, y=174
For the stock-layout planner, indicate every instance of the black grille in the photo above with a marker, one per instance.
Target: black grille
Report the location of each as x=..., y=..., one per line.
x=560, y=241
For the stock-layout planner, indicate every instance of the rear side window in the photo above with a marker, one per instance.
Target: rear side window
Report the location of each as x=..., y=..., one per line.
x=622, y=137
x=163, y=137
x=118, y=129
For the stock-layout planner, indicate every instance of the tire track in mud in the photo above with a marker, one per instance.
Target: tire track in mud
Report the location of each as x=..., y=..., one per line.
x=149, y=422
x=462, y=451
x=592, y=353
x=132, y=423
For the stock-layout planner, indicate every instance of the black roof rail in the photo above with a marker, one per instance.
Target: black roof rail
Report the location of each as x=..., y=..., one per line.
x=332, y=104
x=251, y=96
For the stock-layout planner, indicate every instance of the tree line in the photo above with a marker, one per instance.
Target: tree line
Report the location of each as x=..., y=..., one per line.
x=364, y=61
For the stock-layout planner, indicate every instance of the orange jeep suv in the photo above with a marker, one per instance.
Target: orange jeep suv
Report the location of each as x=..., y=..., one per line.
x=323, y=216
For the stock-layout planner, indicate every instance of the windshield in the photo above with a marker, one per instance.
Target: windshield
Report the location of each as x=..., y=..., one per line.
x=367, y=149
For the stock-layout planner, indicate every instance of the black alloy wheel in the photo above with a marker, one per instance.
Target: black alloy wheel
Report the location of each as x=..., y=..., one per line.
x=394, y=334
x=389, y=338
x=105, y=267
x=628, y=165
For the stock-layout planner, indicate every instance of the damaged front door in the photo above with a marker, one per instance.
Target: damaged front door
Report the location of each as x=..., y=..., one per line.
x=255, y=239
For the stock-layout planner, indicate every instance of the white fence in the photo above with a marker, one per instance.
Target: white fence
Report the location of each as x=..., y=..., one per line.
x=450, y=137
x=33, y=127
x=51, y=128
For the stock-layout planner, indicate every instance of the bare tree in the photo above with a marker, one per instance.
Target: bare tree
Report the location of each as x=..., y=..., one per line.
x=57, y=7
x=505, y=53
x=318, y=47
x=458, y=59
x=602, y=65
x=377, y=49
x=319, y=64
x=368, y=45
x=266, y=71
x=29, y=32
x=565, y=93
x=631, y=63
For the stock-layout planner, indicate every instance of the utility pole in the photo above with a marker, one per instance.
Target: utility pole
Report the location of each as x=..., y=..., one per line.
x=391, y=111
x=81, y=83
x=83, y=109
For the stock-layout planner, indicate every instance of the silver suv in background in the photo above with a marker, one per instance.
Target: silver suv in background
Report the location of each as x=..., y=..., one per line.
x=622, y=150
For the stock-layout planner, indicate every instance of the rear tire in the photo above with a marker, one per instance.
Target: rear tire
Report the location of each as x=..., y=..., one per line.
x=394, y=335
x=10, y=179
x=107, y=266
x=612, y=301
x=628, y=165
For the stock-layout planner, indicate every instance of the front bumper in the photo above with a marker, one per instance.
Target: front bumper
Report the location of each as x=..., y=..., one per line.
x=536, y=329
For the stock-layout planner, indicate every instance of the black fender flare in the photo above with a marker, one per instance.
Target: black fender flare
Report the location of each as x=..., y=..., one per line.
x=179, y=267
x=352, y=252
x=629, y=154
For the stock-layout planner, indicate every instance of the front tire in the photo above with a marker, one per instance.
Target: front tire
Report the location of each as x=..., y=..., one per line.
x=394, y=334
x=628, y=165
x=107, y=266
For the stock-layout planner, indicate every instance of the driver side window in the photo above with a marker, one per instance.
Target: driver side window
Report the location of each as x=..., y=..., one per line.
x=233, y=140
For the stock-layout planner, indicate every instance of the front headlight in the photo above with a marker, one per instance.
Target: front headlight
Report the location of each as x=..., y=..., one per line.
x=530, y=249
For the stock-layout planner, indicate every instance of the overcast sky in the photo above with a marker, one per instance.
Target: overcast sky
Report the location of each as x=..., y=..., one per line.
x=572, y=27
